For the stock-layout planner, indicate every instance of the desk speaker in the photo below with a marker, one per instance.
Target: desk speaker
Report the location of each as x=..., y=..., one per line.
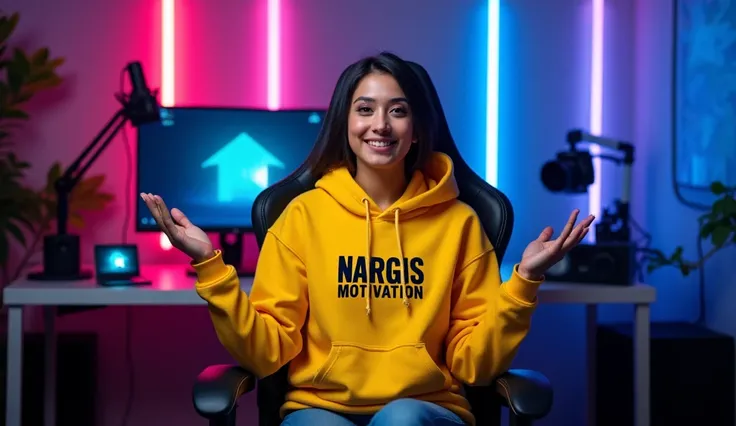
x=609, y=263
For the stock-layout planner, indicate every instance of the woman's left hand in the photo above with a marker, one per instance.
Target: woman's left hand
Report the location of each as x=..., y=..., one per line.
x=544, y=252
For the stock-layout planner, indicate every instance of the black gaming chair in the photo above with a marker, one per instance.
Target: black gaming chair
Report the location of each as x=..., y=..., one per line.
x=528, y=394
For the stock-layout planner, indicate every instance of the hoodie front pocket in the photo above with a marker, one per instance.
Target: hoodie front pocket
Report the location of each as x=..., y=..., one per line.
x=362, y=375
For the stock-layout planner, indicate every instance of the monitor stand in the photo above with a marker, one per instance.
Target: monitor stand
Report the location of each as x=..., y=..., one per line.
x=232, y=253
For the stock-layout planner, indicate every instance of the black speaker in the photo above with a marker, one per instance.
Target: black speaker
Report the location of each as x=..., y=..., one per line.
x=605, y=263
x=692, y=376
x=61, y=260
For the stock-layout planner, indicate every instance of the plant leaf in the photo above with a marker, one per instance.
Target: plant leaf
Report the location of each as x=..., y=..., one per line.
x=76, y=220
x=40, y=57
x=7, y=26
x=16, y=232
x=720, y=235
x=52, y=176
x=14, y=113
x=717, y=188
x=89, y=185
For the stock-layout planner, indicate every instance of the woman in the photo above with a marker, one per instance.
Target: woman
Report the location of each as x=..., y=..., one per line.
x=379, y=287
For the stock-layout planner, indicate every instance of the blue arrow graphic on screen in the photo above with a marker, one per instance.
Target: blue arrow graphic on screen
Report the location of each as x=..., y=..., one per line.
x=242, y=168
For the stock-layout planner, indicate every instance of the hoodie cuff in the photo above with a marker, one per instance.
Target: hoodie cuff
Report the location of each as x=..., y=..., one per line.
x=521, y=289
x=211, y=270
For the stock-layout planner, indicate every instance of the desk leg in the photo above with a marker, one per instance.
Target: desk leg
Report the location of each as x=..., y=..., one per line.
x=14, y=384
x=49, y=366
x=641, y=365
x=591, y=329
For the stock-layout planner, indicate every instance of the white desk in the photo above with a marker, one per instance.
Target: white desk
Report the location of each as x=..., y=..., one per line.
x=171, y=286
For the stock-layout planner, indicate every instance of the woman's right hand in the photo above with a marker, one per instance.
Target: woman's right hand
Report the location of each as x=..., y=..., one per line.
x=181, y=232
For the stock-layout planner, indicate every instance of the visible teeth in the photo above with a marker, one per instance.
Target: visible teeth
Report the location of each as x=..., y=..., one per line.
x=379, y=144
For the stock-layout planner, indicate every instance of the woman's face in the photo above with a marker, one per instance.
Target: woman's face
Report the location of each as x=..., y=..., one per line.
x=380, y=128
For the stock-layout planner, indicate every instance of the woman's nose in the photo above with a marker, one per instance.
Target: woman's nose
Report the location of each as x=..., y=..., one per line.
x=381, y=124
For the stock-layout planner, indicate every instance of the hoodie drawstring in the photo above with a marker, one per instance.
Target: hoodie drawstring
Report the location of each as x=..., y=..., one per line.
x=402, y=272
x=368, y=254
x=401, y=257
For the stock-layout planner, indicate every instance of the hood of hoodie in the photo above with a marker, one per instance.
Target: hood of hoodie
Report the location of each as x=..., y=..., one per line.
x=433, y=185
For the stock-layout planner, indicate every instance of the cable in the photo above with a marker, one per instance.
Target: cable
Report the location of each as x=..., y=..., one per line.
x=641, y=247
x=124, y=237
x=701, y=277
x=644, y=249
x=130, y=365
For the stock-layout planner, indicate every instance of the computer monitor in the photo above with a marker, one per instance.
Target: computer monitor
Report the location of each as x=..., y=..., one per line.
x=211, y=163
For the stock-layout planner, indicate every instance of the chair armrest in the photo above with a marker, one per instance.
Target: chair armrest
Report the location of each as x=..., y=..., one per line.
x=218, y=387
x=528, y=394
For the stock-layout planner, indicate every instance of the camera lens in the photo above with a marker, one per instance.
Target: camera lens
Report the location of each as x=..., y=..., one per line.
x=556, y=175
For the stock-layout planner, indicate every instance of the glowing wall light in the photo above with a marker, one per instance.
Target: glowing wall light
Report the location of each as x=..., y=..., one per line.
x=274, y=54
x=492, y=92
x=596, y=105
x=168, y=64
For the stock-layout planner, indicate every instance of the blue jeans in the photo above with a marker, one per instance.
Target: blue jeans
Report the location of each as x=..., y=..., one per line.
x=402, y=412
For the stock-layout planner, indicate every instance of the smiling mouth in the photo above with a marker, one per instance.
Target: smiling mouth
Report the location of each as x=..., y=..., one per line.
x=381, y=143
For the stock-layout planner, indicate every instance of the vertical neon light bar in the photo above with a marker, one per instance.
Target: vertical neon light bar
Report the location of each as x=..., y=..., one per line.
x=274, y=54
x=596, y=106
x=168, y=64
x=492, y=92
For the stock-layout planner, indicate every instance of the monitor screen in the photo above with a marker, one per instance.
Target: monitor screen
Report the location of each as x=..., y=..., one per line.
x=211, y=163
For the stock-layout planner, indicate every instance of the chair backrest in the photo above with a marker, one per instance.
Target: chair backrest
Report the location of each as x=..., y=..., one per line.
x=492, y=206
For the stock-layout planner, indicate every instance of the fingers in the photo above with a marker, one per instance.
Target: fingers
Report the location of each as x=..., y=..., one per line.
x=567, y=230
x=165, y=215
x=158, y=210
x=575, y=237
x=153, y=207
x=582, y=236
x=578, y=233
x=546, y=234
x=180, y=218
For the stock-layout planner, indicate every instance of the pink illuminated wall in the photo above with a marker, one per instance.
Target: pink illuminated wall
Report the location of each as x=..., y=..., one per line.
x=168, y=91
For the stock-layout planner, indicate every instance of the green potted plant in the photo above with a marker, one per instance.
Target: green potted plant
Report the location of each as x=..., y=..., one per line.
x=717, y=225
x=26, y=213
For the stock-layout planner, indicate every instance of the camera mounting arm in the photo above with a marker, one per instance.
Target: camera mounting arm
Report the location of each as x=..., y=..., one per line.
x=626, y=149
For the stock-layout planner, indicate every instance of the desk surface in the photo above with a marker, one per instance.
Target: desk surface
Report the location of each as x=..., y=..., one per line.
x=172, y=286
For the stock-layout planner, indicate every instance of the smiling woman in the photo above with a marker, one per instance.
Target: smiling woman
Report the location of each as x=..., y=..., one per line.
x=404, y=244
x=387, y=108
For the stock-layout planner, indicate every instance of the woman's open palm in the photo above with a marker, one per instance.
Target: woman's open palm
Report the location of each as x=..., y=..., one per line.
x=543, y=253
x=181, y=232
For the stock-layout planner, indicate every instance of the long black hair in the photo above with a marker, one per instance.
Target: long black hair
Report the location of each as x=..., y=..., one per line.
x=332, y=150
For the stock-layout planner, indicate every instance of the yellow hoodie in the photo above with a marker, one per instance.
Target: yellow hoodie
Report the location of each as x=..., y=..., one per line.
x=425, y=314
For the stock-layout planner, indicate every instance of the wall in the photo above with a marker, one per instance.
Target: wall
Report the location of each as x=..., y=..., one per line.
x=221, y=60
x=670, y=222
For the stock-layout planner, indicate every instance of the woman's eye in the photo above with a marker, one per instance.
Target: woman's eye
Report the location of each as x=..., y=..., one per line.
x=364, y=110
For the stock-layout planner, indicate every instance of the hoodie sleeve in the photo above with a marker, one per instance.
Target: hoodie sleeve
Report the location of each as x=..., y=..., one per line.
x=261, y=331
x=488, y=319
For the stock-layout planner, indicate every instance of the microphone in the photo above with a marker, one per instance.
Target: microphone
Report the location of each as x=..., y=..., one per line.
x=142, y=105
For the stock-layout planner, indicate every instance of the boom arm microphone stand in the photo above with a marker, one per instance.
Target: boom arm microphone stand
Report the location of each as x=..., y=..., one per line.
x=61, y=251
x=613, y=226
